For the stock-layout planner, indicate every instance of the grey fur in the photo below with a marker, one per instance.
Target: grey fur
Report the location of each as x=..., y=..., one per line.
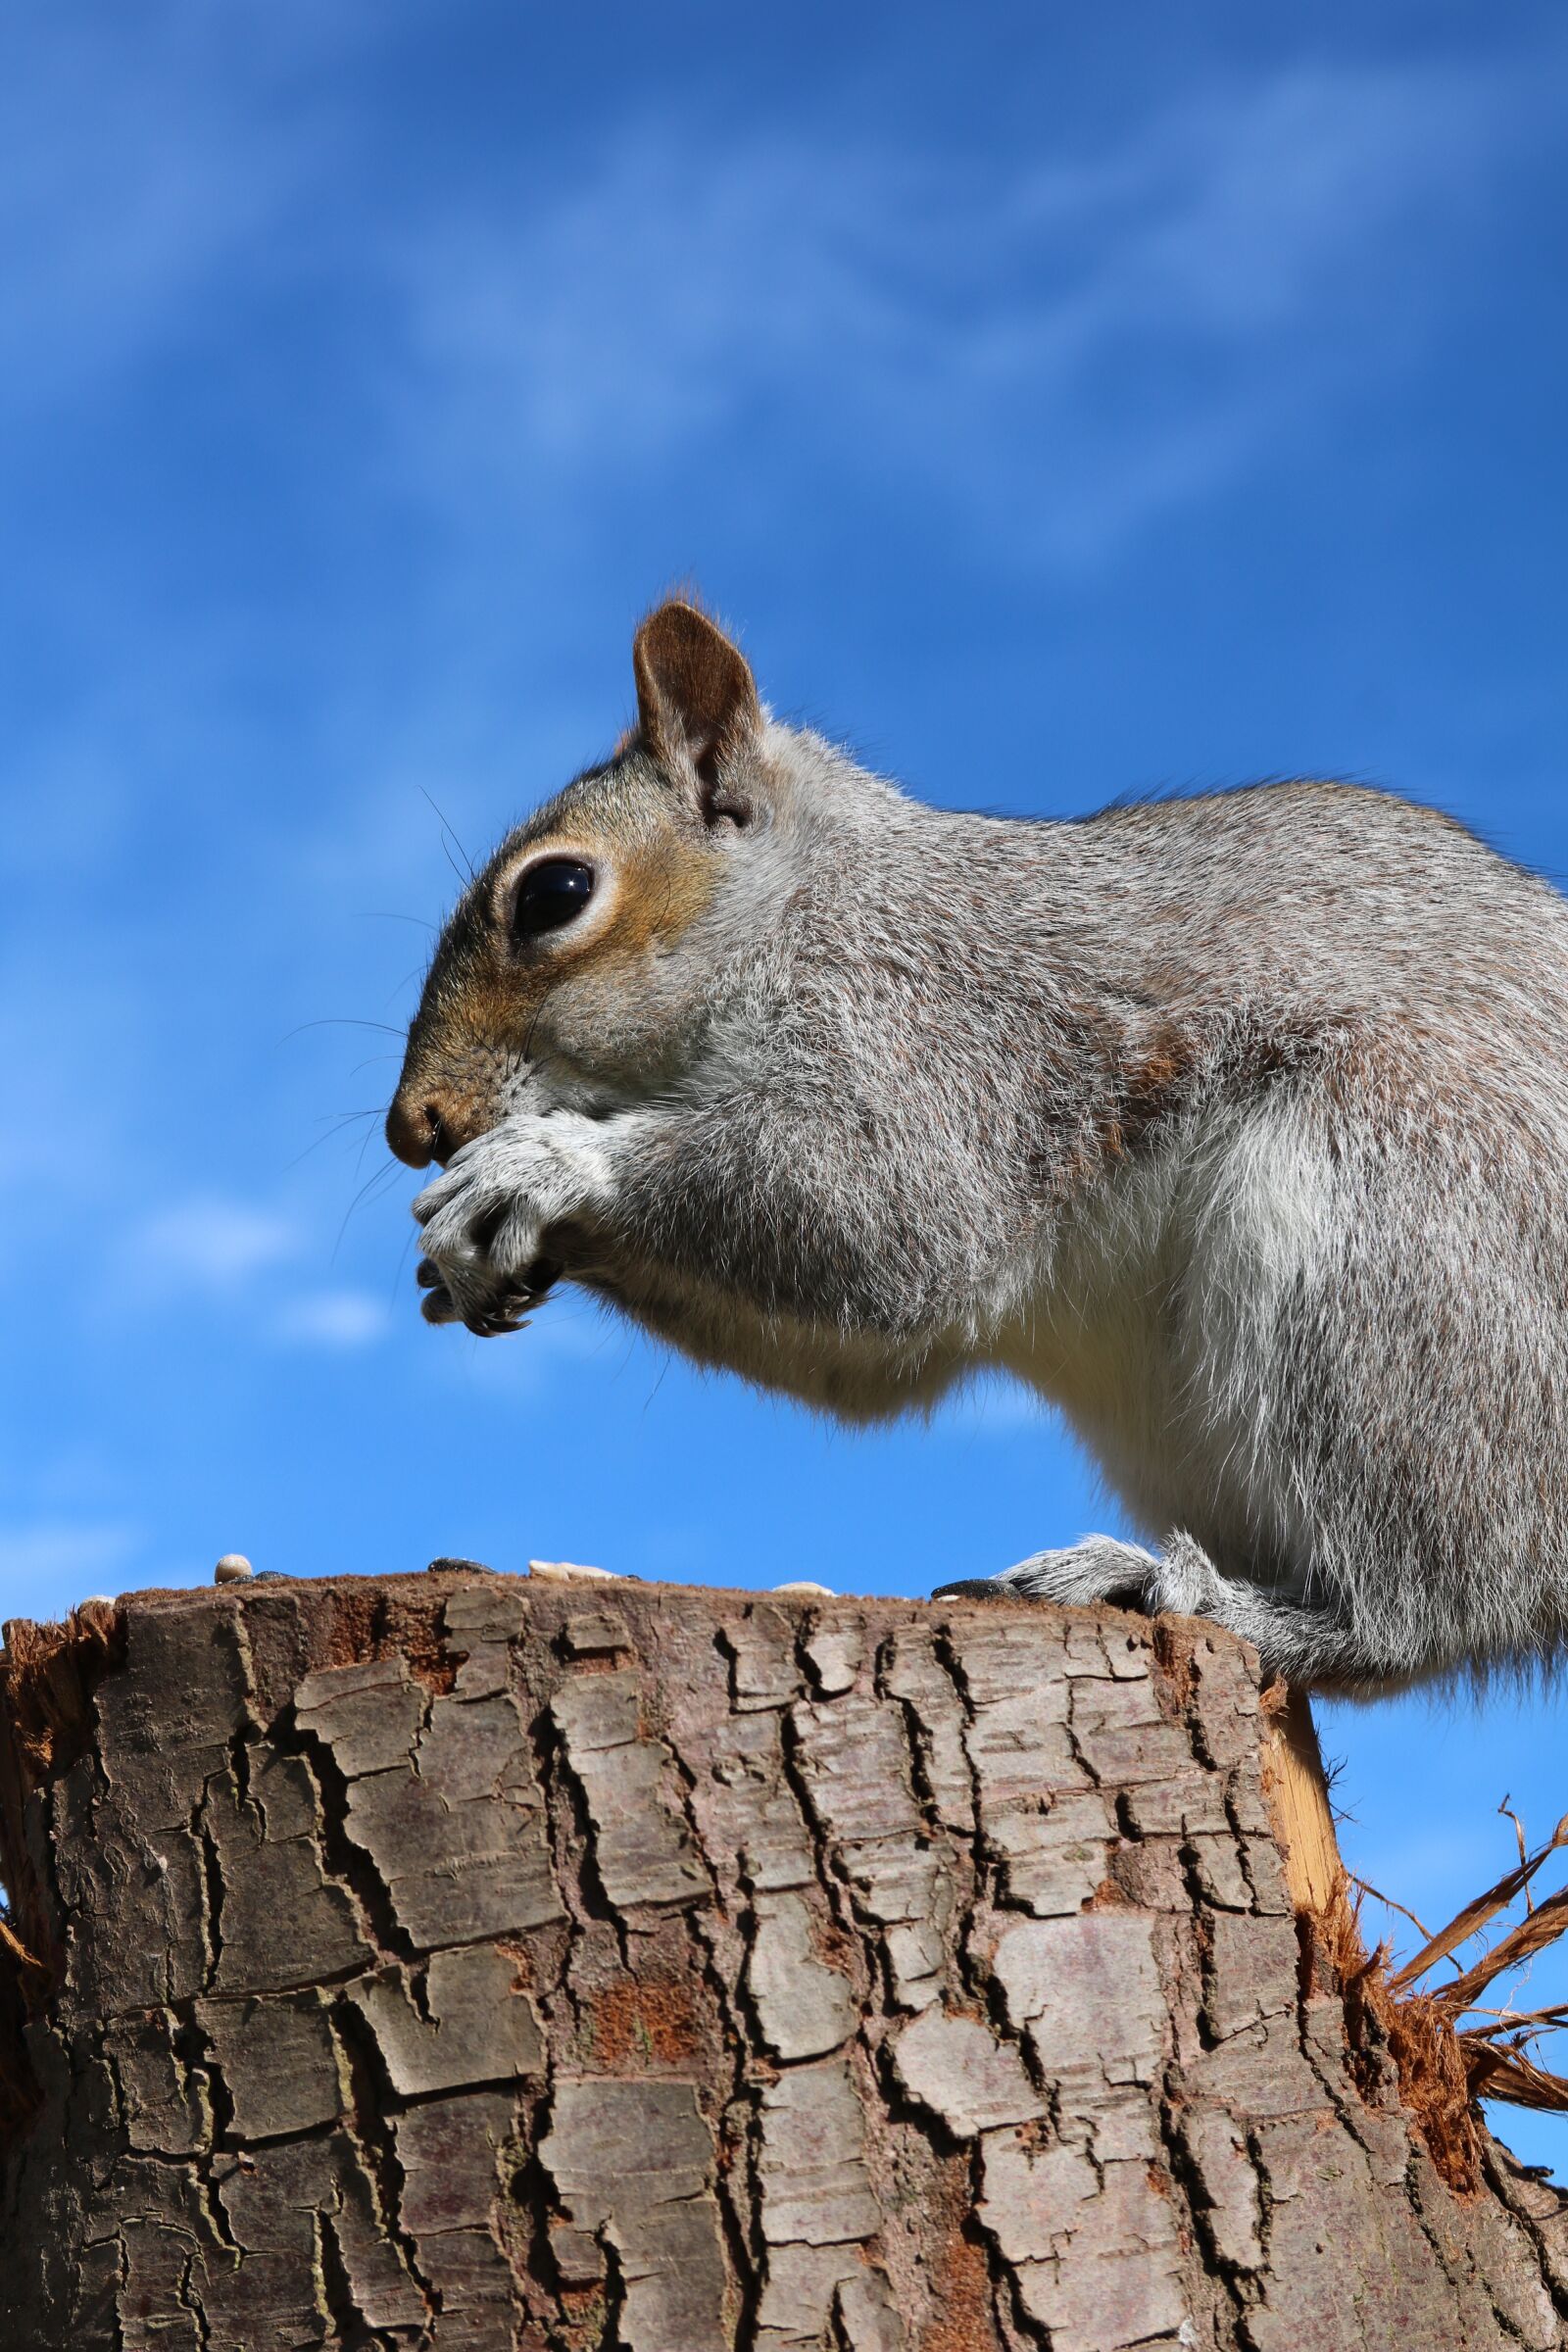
x=1237, y=1126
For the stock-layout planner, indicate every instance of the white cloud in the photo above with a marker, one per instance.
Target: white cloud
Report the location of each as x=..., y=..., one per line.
x=334, y=1319
x=1123, y=328
x=219, y=1245
x=1058, y=348
x=145, y=153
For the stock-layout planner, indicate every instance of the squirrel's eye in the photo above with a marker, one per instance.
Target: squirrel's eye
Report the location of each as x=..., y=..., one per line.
x=552, y=893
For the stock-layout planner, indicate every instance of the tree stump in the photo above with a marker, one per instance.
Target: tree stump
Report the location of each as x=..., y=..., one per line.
x=465, y=1961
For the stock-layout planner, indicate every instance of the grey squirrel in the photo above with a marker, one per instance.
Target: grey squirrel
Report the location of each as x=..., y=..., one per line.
x=1237, y=1126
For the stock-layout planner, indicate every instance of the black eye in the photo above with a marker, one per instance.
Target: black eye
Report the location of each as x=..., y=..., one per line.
x=552, y=893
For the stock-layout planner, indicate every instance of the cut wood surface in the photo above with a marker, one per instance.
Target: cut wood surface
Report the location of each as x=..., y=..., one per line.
x=467, y=1961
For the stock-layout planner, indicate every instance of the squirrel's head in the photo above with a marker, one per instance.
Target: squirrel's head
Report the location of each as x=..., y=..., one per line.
x=559, y=954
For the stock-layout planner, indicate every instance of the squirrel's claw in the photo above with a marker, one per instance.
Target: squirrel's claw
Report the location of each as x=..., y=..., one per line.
x=489, y=1317
x=494, y=1323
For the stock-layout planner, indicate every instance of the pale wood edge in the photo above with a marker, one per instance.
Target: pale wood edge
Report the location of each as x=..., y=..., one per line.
x=1297, y=1794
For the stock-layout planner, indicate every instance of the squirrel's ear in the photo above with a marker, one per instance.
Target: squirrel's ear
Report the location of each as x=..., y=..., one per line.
x=695, y=697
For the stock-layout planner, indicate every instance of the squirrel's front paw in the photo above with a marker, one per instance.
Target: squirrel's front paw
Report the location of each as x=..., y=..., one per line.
x=484, y=1221
x=489, y=1314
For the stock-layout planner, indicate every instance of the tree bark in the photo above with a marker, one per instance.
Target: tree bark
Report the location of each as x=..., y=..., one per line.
x=462, y=1961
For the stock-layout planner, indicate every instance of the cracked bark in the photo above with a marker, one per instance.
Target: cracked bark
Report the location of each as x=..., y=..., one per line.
x=446, y=1961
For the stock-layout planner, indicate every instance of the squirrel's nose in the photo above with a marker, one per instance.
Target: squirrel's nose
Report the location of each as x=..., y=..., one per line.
x=419, y=1132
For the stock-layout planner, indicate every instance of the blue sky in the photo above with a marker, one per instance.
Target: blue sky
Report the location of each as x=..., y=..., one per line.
x=1062, y=403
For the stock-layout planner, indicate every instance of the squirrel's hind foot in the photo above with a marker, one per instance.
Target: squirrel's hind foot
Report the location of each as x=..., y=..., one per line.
x=1305, y=1644
x=1096, y=1570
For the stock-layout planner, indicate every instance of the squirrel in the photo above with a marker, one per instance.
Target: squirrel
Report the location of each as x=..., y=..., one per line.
x=1235, y=1125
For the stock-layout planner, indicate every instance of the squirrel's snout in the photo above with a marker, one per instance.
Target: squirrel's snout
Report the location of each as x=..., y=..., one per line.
x=420, y=1131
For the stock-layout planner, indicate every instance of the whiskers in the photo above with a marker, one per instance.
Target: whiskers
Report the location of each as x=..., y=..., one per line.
x=372, y=1188
x=458, y=857
x=339, y=1021
x=338, y=1122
